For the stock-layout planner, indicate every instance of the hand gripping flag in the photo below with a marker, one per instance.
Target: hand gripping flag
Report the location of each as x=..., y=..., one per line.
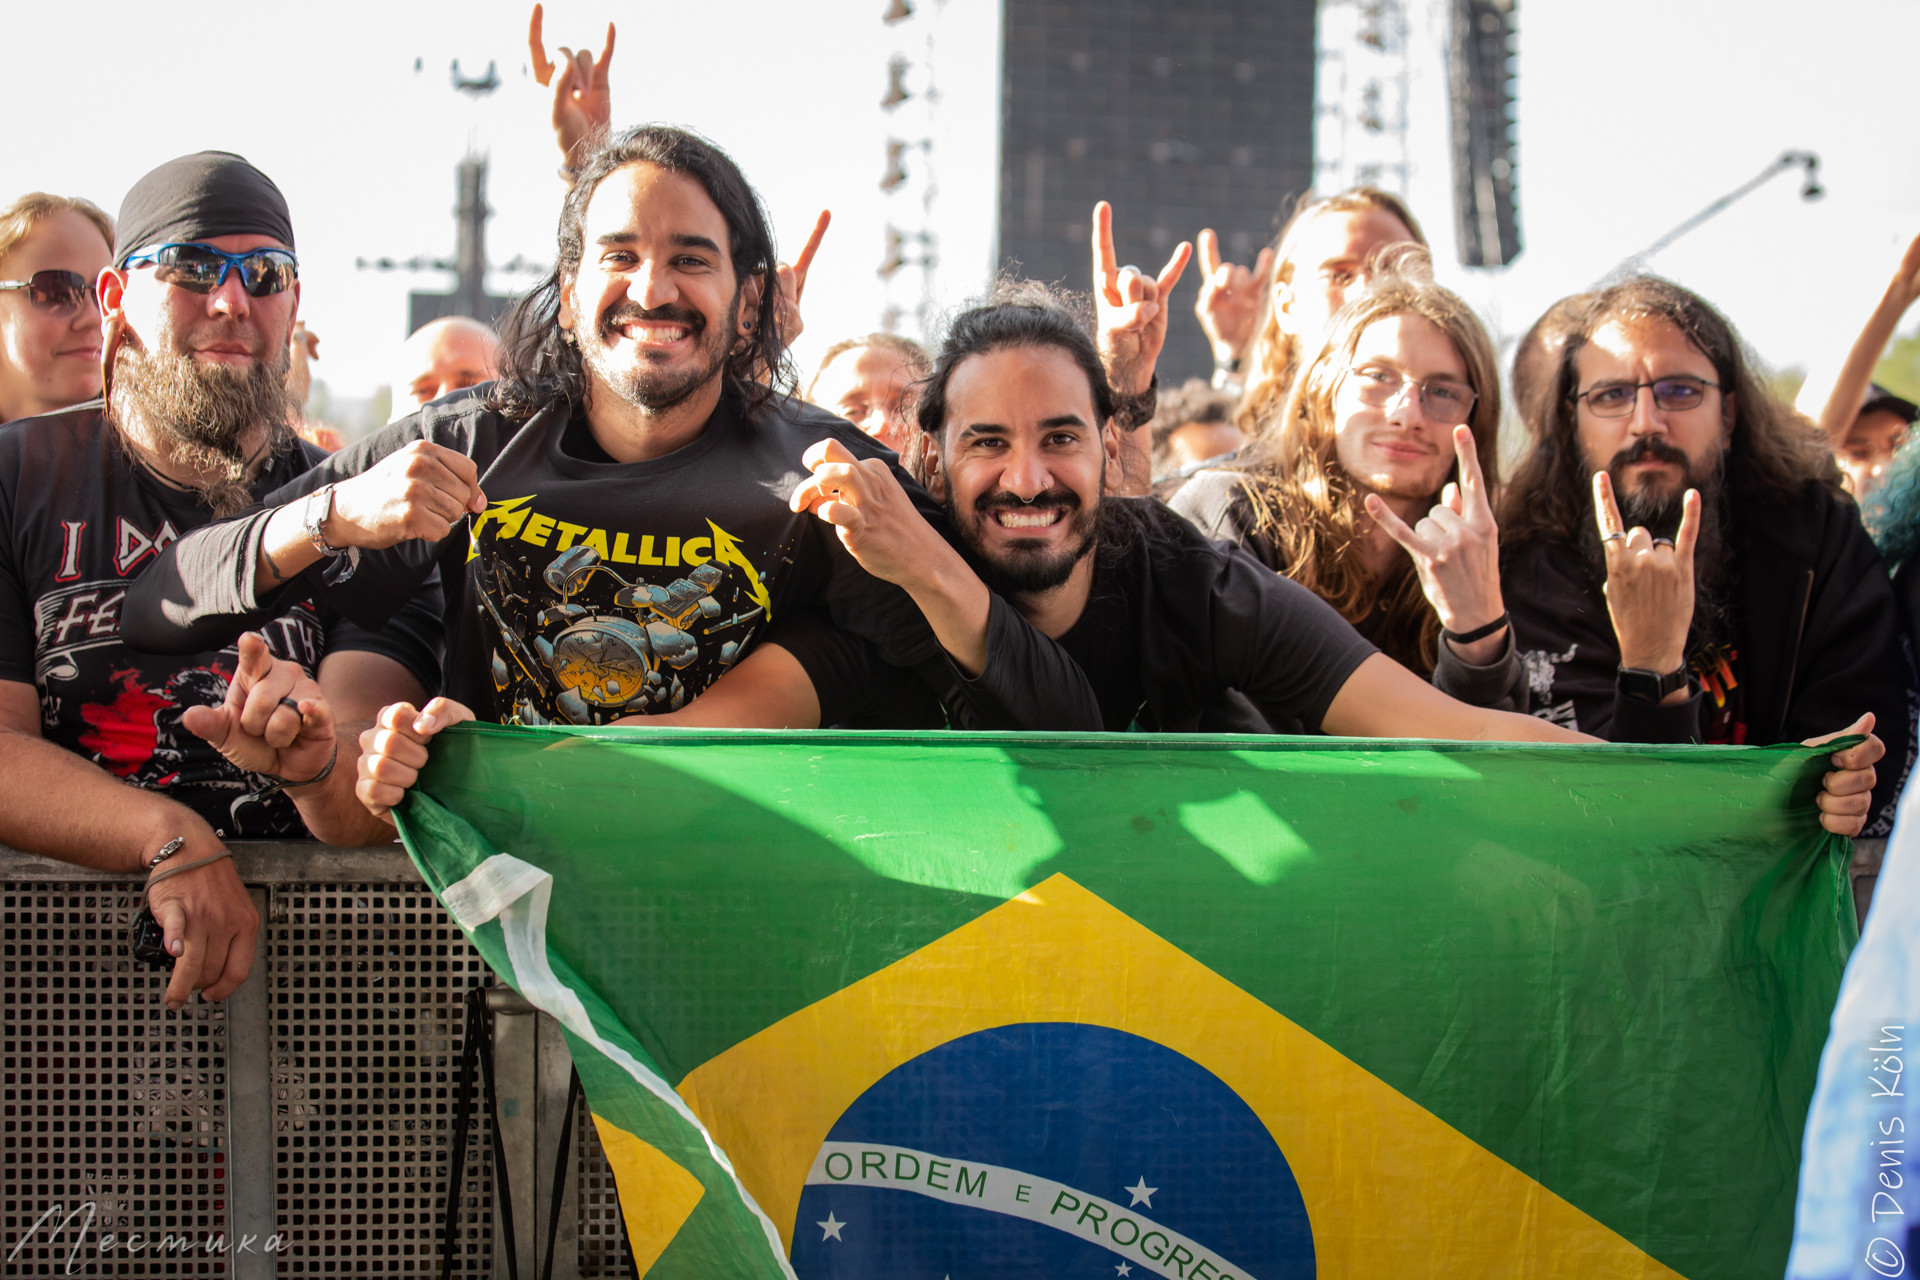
x=946, y=1005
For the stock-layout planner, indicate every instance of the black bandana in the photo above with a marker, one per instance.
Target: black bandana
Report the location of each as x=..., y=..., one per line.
x=198, y=197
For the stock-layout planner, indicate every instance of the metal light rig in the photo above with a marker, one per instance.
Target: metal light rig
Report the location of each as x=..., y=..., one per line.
x=909, y=171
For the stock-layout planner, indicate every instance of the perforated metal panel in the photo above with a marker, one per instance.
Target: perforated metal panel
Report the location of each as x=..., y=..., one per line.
x=366, y=1013
x=109, y=1105
x=602, y=1236
x=108, y=1100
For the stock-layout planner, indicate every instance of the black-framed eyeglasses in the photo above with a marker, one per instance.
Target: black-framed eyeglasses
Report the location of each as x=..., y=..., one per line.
x=1445, y=401
x=1675, y=395
x=60, y=292
x=202, y=268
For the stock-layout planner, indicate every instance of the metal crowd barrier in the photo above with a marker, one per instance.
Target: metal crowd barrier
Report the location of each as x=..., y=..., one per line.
x=303, y=1127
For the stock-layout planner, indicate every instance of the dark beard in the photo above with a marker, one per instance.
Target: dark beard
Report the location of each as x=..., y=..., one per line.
x=1027, y=569
x=1659, y=512
x=654, y=392
x=199, y=413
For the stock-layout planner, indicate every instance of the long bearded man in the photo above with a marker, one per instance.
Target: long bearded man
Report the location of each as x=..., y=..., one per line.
x=1678, y=557
x=116, y=758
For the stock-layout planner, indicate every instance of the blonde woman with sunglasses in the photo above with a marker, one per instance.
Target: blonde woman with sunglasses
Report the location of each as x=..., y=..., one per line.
x=52, y=249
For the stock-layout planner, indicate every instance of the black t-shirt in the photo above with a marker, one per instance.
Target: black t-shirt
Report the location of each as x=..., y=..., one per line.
x=589, y=589
x=1174, y=623
x=79, y=520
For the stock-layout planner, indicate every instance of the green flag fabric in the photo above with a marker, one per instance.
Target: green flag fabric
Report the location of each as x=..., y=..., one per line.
x=952, y=1005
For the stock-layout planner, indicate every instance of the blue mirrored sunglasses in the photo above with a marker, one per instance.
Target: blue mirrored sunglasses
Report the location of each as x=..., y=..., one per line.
x=203, y=268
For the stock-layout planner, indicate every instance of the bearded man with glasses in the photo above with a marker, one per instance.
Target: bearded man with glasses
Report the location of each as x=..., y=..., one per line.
x=119, y=759
x=1678, y=556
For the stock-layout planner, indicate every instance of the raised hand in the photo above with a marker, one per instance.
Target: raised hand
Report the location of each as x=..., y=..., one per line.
x=582, y=98
x=420, y=491
x=1230, y=298
x=274, y=719
x=1456, y=551
x=1131, y=307
x=871, y=513
x=793, y=280
x=885, y=533
x=1846, y=794
x=1649, y=582
x=393, y=752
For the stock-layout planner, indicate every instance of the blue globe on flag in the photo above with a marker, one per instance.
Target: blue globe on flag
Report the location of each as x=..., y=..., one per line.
x=1057, y=1150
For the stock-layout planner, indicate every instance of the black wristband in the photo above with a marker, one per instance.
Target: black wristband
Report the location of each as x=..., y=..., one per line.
x=1652, y=686
x=1478, y=633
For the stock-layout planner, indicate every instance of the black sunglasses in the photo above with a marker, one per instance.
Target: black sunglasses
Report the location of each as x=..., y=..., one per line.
x=60, y=292
x=202, y=268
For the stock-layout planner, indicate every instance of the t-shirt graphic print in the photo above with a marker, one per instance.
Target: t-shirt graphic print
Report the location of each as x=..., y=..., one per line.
x=590, y=624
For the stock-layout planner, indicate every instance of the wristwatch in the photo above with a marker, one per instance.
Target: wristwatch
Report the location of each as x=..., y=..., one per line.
x=1651, y=686
x=314, y=520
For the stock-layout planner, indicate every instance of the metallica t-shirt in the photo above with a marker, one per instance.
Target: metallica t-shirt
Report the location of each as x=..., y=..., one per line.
x=79, y=521
x=589, y=589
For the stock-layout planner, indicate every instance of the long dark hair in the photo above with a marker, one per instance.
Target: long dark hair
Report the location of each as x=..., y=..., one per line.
x=1771, y=450
x=538, y=366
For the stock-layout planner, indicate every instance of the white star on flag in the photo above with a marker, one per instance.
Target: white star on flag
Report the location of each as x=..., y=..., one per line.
x=830, y=1229
x=1141, y=1193
x=1123, y=1270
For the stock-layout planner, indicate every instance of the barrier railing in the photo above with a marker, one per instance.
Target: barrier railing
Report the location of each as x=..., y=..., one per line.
x=301, y=1128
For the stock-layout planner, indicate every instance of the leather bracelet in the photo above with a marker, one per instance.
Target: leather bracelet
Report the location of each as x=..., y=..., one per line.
x=185, y=867
x=281, y=784
x=1478, y=633
x=167, y=850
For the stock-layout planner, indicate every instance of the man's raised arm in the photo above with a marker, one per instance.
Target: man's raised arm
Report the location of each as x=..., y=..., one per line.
x=397, y=492
x=1010, y=675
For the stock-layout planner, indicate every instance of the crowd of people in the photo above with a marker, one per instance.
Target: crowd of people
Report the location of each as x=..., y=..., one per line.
x=625, y=505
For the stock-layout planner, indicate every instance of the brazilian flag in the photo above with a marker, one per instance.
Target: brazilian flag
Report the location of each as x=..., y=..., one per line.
x=948, y=1005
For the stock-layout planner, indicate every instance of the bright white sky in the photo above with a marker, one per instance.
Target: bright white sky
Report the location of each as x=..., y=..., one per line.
x=1634, y=114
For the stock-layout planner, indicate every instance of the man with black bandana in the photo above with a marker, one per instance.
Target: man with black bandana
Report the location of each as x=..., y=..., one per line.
x=611, y=515
x=198, y=304
x=1677, y=555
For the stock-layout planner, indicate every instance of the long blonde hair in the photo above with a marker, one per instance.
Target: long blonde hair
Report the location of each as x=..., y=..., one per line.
x=1304, y=502
x=1271, y=357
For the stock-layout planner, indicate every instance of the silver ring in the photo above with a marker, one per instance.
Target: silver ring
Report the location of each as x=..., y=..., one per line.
x=1663, y=542
x=1137, y=271
x=1615, y=537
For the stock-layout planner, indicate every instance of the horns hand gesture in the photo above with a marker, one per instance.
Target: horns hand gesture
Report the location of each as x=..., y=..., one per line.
x=1649, y=582
x=1456, y=551
x=1230, y=298
x=582, y=96
x=1131, y=307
